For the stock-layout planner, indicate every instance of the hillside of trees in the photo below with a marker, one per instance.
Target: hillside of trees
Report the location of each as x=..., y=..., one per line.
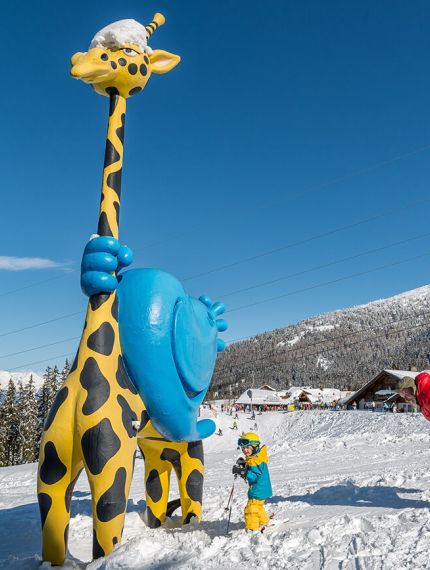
x=343, y=349
x=23, y=411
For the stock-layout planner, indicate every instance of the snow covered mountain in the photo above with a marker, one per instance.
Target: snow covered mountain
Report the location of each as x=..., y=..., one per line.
x=18, y=377
x=342, y=349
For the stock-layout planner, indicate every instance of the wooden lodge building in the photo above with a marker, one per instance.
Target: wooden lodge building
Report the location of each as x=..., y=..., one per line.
x=382, y=389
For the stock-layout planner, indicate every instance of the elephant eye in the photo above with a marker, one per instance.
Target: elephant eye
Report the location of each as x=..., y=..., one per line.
x=129, y=51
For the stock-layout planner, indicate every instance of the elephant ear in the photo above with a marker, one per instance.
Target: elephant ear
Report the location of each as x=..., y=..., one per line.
x=194, y=344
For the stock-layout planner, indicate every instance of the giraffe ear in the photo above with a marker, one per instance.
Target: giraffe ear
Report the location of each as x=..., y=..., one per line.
x=162, y=61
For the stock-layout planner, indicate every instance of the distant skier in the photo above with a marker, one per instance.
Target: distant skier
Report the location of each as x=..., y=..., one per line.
x=219, y=432
x=256, y=473
x=234, y=425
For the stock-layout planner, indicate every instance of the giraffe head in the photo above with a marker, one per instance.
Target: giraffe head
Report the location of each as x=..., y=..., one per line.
x=120, y=61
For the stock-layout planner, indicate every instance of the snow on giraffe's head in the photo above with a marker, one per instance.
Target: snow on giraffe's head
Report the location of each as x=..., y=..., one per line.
x=119, y=60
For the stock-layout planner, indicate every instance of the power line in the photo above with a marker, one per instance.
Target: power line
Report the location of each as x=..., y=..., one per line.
x=30, y=285
x=42, y=323
x=310, y=189
x=304, y=241
x=67, y=355
x=333, y=181
x=323, y=266
x=41, y=346
x=304, y=289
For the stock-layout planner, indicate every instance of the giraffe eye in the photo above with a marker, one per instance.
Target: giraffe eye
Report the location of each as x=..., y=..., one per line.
x=129, y=51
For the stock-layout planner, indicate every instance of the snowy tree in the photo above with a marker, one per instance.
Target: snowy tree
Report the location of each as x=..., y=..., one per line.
x=65, y=372
x=28, y=422
x=9, y=422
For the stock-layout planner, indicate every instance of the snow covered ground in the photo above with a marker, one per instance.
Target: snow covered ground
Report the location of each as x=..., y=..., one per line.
x=355, y=487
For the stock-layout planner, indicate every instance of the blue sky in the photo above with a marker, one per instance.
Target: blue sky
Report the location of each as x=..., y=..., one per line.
x=284, y=121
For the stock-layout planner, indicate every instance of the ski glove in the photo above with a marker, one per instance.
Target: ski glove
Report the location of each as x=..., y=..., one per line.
x=239, y=470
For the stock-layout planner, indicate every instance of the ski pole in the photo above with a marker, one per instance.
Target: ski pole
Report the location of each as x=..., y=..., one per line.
x=230, y=502
x=231, y=494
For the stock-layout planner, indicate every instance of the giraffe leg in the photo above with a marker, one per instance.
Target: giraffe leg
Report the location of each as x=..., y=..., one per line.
x=157, y=481
x=190, y=480
x=58, y=471
x=109, y=491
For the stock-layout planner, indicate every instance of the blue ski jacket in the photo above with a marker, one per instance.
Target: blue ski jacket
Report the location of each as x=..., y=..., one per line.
x=257, y=475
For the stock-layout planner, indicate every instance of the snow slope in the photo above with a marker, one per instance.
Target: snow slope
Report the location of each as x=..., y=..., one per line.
x=355, y=487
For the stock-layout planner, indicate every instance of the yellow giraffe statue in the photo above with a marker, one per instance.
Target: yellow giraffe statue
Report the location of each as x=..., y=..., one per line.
x=93, y=421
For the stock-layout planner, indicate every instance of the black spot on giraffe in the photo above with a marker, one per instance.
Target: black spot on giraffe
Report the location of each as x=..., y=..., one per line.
x=153, y=486
x=146, y=59
x=135, y=90
x=111, y=154
x=128, y=416
x=59, y=399
x=98, y=551
x=120, y=130
x=122, y=61
x=66, y=536
x=151, y=520
x=112, y=91
x=144, y=419
x=96, y=385
x=52, y=469
x=134, y=464
x=143, y=69
x=99, y=444
x=114, y=309
x=188, y=518
x=172, y=506
x=113, y=501
x=122, y=377
x=102, y=339
x=113, y=65
x=97, y=301
x=174, y=457
x=132, y=69
x=103, y=228
x=45, y=502
x=104, y=56
x=116, y=206
x=195, y=450
x=75, y=363
x=194, y=485
x=69, y=491
x=114, y=181
x=113, y=99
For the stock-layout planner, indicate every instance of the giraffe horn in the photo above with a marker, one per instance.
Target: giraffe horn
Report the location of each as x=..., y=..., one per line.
x=157, y=20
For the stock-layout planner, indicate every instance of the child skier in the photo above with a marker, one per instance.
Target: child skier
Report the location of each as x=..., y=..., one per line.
x=256, y=473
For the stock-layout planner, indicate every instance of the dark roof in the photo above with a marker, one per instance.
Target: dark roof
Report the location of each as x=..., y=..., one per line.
x=393, y=373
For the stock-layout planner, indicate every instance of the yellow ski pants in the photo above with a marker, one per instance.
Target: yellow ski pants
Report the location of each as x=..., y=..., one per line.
x=255, y=514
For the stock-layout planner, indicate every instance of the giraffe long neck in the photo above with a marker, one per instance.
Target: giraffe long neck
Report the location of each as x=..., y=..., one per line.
x=111, y=186
x=99, y=343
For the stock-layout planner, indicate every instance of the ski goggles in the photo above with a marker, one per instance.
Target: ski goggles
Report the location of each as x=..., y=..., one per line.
x=244, y=442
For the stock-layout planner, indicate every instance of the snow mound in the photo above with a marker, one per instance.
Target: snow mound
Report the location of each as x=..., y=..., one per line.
x=115, y=35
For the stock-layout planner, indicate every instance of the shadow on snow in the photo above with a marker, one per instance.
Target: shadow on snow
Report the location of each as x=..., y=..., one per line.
x=355, y=496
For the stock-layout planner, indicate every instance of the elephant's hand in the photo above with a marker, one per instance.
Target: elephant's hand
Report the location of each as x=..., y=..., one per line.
x=214, y=310
x=103, y=258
